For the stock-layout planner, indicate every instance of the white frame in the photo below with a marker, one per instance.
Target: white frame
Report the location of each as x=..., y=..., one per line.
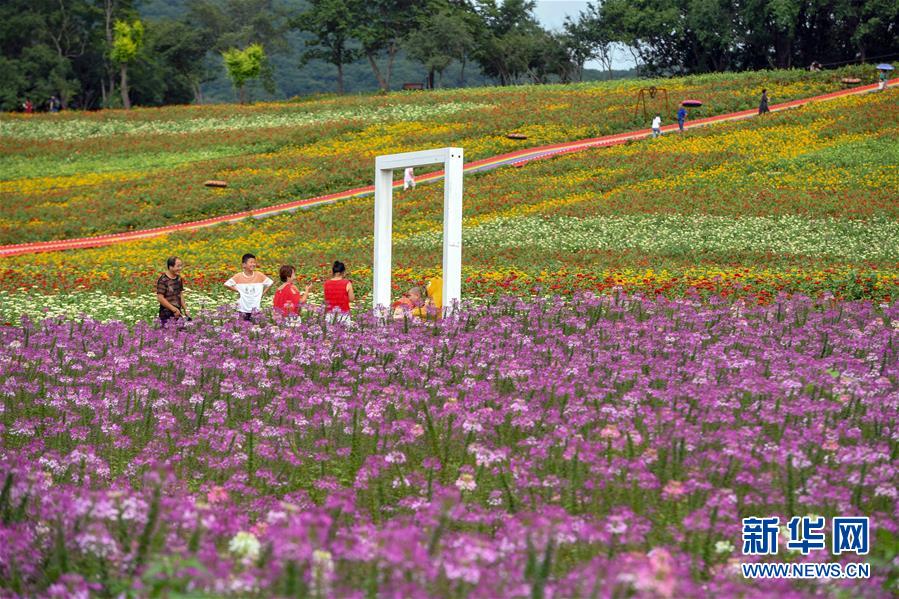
x=452, y=159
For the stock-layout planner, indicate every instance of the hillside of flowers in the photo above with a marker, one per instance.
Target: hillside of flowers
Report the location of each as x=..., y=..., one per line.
x=802, y=201
x=76, y=174
x=606, y=446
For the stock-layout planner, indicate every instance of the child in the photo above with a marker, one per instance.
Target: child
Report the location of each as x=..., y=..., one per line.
x=409, y=178
x=250, y=286
x=410, y=300
x=657, y=125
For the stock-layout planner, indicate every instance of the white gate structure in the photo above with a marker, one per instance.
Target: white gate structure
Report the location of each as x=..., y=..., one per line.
x=452, y=221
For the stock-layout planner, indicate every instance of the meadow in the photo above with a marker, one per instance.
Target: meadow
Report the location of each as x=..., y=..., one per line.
x=657, y=340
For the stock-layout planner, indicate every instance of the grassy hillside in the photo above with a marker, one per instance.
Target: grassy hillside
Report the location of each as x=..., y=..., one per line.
x=804, y=200
x=74, y=174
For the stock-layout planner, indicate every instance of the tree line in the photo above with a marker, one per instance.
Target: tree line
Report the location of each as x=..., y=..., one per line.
x=108, y=53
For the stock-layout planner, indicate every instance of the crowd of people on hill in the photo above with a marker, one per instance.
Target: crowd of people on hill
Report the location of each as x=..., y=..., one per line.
x=251, y=285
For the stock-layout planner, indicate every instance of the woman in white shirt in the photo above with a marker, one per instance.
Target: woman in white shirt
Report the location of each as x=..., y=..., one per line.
x=250, y=286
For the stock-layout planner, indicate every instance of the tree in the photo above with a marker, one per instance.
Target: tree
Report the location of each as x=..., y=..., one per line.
x=227, y=24
x=44, y=45
x=507, y=39
x=549, y=57
x=439, y=39
x=330, y=23
x=127, y=41
x=112, y=11
x=869, y=24
x=380, y=26
x=587, y=39
x=171, y=66
x=244, y=65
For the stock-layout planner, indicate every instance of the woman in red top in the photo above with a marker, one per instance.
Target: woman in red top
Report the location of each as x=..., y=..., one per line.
x=288, y=298
x=338, y=290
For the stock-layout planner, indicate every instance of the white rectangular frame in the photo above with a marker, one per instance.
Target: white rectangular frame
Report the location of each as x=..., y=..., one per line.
x=452, y=159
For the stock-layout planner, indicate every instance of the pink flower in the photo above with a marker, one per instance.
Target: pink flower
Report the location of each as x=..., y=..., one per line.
x=217, y=495
x=674, y=488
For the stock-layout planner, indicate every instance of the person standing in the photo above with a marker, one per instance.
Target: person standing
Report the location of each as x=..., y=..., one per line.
x=339, y=294
x=28, y=106
x=681, y=117
x=657, y=125
x=883, y=80
x=250, y=285
x=288, y=298
x=763, y=103
x=409, y=178
x=169, y=291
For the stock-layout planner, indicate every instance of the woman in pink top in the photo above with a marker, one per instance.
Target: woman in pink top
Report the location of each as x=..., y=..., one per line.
x=338, y=290
x=288, y=298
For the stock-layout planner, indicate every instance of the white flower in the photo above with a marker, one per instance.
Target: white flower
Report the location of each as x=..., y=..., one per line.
x=322, y=572
x=466, y=482
x=724, y=547
x=616, y=525
x=395, y=457
x=245, y=545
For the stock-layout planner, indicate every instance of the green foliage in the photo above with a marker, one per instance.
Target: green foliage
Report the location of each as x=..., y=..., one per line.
x=127, y=41
x=243, y=65
x=70, y=49
x=715, y=35
x=439, y=39
x=380, y=26
x=171, y=66
x=329, y=22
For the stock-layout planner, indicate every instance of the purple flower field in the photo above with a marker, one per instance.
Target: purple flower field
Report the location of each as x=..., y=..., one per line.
x=598, y=447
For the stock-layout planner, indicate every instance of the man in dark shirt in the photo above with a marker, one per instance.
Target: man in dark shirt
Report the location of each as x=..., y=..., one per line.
x=169, y=288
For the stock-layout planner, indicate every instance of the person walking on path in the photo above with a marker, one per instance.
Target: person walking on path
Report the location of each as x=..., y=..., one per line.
x=657, y=125
x=883, y=80
x=681, y=117
x=169, y=290
x=763, y=103
x=409, y=178
x=288, y=298
x=339, y=294
x=250, y=285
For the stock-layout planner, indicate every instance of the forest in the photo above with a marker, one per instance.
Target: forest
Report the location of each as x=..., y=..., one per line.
x=92, y=54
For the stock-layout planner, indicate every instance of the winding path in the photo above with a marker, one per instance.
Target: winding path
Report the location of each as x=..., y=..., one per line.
x=513, y=158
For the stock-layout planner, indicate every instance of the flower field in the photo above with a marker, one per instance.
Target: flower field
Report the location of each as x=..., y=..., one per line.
x=71, y=175
x=657, y=340
x=606, y=447
x=800, y=201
